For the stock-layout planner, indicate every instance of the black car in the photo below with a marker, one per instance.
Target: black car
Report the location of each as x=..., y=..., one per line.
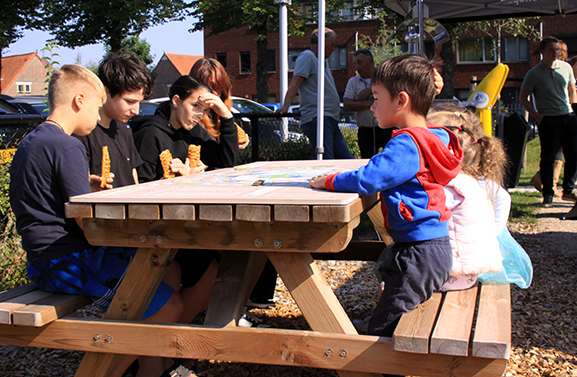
x=29, y=104
x=14, y=125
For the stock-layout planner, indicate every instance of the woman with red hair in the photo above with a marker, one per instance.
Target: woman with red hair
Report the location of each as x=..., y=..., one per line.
x=214, y=75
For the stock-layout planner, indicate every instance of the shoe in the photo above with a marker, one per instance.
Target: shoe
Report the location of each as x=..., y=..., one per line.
x=547, y=201
x=260, y=304
x=536, y=181
x=249, y=320
x=570, y=196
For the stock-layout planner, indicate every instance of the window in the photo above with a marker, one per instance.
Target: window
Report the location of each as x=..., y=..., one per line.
x=221, y=57
x=24, y=87
x=245, y=62
x=478, y=51
x=338, y=59
x=271, y=60
x=515, y=49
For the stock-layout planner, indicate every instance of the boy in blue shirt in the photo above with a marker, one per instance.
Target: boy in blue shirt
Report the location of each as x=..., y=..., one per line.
x=49, y=167
x=410, y=173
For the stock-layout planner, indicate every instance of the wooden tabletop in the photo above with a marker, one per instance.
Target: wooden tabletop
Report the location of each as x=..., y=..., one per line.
x=266, y=182
x=263, y=206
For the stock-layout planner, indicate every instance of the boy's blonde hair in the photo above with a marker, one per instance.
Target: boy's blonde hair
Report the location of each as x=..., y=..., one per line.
x=484, y=157
x=68, y=80
x=413, y=74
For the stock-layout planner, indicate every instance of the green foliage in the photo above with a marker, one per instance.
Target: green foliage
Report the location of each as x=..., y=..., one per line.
x=49, y=62
x=140, y=47
x=351, y=139
x=12, y=257
x=17, y=15
x=383, y=43
x=82, y=22
x=523, y=207
x=497, y=29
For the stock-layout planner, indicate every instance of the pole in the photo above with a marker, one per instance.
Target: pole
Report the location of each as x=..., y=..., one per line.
x=321, y=82
x=421, y=30
x=283, y=54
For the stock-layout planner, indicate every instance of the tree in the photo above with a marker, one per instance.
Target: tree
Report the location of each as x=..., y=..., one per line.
x=383, y=43
x=81, y=22
x=496, y=30
x=138, y=46
x=260, y=16
x=16, y=16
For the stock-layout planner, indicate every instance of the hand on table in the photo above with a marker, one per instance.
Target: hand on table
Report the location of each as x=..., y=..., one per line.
x=318, y=182
x=183, y=168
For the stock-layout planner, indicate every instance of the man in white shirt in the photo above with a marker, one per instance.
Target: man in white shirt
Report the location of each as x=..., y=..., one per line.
x=358, y=98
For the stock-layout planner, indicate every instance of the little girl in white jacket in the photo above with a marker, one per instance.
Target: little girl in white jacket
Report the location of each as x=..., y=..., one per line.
x=479, y=205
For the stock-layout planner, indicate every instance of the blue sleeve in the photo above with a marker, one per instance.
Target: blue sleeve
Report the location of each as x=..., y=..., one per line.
x=71, y=168
x=399, y=162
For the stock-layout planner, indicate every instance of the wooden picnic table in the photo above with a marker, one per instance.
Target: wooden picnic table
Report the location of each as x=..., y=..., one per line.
x=263, y=207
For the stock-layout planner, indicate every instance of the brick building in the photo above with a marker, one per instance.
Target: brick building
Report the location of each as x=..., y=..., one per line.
x=236, y=49
x=23, y=74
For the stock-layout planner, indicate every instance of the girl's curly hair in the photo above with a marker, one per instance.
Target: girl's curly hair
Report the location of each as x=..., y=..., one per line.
x=484, y=156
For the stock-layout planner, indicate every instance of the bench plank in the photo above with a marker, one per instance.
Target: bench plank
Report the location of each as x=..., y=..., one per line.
x=414, y=329
x=18, y=291
x=293, y=348
x=492, y=337
x=9, y=306
x=453, y=330
x=49, y=309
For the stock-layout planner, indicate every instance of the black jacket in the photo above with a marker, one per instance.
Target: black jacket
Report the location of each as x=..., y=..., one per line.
x=153, y=134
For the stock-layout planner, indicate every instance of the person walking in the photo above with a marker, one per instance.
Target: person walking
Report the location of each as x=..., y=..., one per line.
x=552, y=83
x=304, y=82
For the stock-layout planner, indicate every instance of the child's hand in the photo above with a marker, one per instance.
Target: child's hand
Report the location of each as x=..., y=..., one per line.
x=180, y=168
x=318, y=182
x=216, y=104
x=439, y=83
x=195, y=170
x=95, y=180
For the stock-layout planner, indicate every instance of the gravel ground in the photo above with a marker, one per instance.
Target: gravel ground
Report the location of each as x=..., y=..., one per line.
x=544, y=318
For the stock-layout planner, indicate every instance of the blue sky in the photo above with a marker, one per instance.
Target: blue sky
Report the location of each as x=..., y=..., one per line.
x=172, y=37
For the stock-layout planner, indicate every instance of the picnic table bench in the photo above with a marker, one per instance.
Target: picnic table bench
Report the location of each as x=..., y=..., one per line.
x=465, y=333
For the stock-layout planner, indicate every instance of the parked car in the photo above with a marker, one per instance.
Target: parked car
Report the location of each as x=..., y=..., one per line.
x=347, y=118
x=270, y=129
x=272, y=106
x=29, y=104
x=14, y=125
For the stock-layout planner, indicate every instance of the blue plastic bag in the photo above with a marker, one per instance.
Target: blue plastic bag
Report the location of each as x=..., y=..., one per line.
x=517, y=267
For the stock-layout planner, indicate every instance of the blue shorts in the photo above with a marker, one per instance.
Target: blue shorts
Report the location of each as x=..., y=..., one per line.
x=95, y=273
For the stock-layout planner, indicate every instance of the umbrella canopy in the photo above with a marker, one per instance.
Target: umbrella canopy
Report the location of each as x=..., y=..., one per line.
x=470, y=10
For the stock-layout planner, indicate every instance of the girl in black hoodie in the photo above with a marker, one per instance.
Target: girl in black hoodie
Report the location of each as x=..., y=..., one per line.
x=173, y=127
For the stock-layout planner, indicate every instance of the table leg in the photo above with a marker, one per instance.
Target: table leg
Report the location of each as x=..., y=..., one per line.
x=129, y=303
x=237, y=275
x=313, y=296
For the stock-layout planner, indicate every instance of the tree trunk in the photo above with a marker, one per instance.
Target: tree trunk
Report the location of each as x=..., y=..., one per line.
x=261, y=65
x=448, y=56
